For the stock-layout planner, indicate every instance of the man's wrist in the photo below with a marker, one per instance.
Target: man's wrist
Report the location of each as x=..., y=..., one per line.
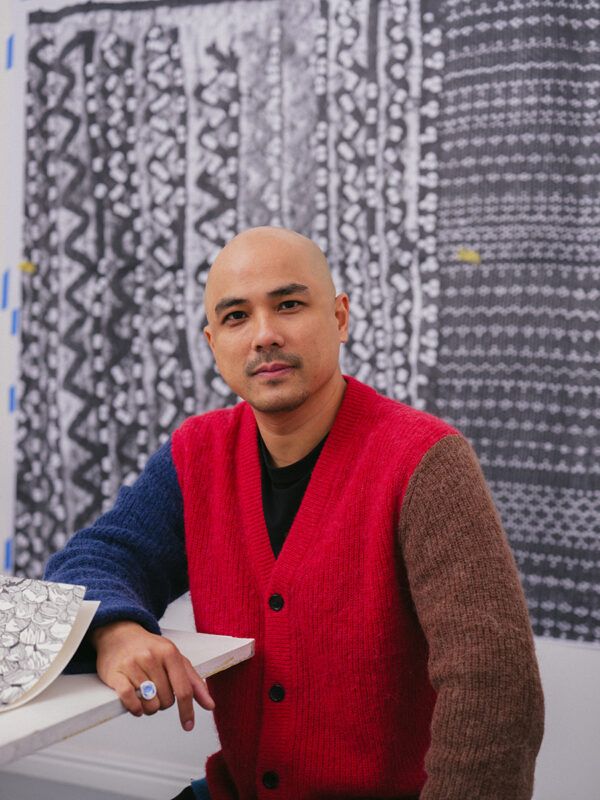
x=97, y=635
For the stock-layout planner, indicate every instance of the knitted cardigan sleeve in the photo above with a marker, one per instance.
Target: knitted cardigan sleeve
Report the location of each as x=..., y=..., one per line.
x=132, y=558
x=488, y=720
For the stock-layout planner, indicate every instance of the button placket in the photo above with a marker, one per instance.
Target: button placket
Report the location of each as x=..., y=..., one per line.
x=276, y=692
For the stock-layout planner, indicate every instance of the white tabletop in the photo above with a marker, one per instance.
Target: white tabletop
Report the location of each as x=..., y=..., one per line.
x=74, y=703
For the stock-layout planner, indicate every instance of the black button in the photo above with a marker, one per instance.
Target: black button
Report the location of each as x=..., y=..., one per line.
x=270, y=780
x=276, y=602
x=277, y=693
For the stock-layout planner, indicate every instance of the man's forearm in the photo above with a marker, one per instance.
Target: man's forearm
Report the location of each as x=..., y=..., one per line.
x=488, y=720
x=132, y=558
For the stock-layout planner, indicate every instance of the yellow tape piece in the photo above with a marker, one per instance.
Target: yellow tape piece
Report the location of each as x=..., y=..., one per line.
x=27, y=266
x=468, y=256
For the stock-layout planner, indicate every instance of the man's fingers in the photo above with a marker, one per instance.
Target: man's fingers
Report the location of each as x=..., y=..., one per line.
x=137, y=676
x=187, y=685
x=156, y=659
x=182, y=688
x=201, y=693
x=153, y=665
x=126, y=692
x=164, y=689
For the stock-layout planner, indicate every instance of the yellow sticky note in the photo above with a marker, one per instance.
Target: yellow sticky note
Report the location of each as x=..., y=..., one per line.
x=27, y=266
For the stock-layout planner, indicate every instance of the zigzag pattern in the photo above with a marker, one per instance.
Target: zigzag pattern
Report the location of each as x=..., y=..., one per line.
x=217, y=95
x=120, y=338
x=78, y=259
x=164, y=163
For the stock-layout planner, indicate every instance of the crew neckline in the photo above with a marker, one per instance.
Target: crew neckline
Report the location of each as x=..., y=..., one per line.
x=290, y=473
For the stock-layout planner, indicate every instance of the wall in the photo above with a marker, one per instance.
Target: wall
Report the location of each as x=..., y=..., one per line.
x=121, y=756
x=11, y=147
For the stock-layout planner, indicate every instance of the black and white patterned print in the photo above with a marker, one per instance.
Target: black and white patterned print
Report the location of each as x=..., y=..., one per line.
x=36, y=618
x=518, y=367
x=441, y=154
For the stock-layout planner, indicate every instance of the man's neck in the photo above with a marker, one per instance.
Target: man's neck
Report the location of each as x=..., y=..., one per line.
x=291, y=435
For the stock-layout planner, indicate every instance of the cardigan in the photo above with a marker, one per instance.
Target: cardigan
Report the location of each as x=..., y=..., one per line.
x=336, y=700
x=463, y=586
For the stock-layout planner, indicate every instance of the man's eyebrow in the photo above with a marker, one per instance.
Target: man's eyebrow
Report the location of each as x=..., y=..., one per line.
x=280, y=291
x=289, y=288
x=228, y=302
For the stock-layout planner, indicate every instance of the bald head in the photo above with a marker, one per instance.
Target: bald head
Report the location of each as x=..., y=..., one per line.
x=275, y=325
x=257, y=249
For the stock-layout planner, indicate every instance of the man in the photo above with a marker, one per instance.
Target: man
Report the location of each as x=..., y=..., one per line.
x=352, y=536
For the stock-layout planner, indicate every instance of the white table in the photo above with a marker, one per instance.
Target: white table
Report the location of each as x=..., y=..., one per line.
x=75, y=703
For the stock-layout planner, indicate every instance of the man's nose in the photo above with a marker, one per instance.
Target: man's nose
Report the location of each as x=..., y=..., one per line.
x=267, y=333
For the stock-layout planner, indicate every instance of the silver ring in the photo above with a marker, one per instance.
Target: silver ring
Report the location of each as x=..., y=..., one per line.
x=147, y=690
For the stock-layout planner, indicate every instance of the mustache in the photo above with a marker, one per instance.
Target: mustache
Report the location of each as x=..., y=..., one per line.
x=273, y=355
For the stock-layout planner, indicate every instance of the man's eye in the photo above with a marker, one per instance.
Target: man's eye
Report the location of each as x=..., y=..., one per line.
x=286, y=305
x=234, y=316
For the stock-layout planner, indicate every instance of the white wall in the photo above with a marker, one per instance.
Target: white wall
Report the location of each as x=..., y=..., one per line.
x=569, y=764
x=153, y=757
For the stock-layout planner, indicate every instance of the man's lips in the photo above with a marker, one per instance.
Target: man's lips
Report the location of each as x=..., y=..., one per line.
x=273, y=368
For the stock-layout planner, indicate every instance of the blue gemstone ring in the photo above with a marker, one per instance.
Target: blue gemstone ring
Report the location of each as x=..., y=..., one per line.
x=147, y=690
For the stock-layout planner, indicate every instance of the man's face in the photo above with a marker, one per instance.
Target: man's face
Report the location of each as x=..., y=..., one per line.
x=274, y=324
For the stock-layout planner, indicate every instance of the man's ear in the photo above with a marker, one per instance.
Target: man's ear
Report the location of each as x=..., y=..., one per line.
x=342, y=314
x=209, y=338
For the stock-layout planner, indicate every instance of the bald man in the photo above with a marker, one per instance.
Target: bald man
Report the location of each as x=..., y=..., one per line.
x=353, y=537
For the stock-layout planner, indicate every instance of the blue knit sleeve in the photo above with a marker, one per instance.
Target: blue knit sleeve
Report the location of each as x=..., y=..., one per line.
x=132, y=558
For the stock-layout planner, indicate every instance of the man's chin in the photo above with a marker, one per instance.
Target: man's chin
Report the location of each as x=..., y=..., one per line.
x=278, y=402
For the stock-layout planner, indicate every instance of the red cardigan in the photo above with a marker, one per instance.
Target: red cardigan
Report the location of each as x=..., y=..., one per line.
x=336, y=701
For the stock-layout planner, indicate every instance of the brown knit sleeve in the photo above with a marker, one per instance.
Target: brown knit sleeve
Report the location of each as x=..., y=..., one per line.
x=488, y=719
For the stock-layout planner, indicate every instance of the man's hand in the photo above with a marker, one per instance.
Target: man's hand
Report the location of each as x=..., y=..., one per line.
x=127, y=654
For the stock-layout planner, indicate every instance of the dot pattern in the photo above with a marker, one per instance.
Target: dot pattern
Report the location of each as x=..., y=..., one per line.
x=518, y=355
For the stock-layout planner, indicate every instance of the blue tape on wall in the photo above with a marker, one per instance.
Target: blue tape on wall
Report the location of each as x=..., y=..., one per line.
x=16, y=318
x=10, y=51
x=5, y=285
x=8, y=554
x=12, y=399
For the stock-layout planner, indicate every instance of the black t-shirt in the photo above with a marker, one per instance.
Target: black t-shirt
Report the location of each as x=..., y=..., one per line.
x=282, y=491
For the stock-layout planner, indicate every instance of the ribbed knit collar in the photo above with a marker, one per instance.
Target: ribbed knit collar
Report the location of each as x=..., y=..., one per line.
x=341, y=448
